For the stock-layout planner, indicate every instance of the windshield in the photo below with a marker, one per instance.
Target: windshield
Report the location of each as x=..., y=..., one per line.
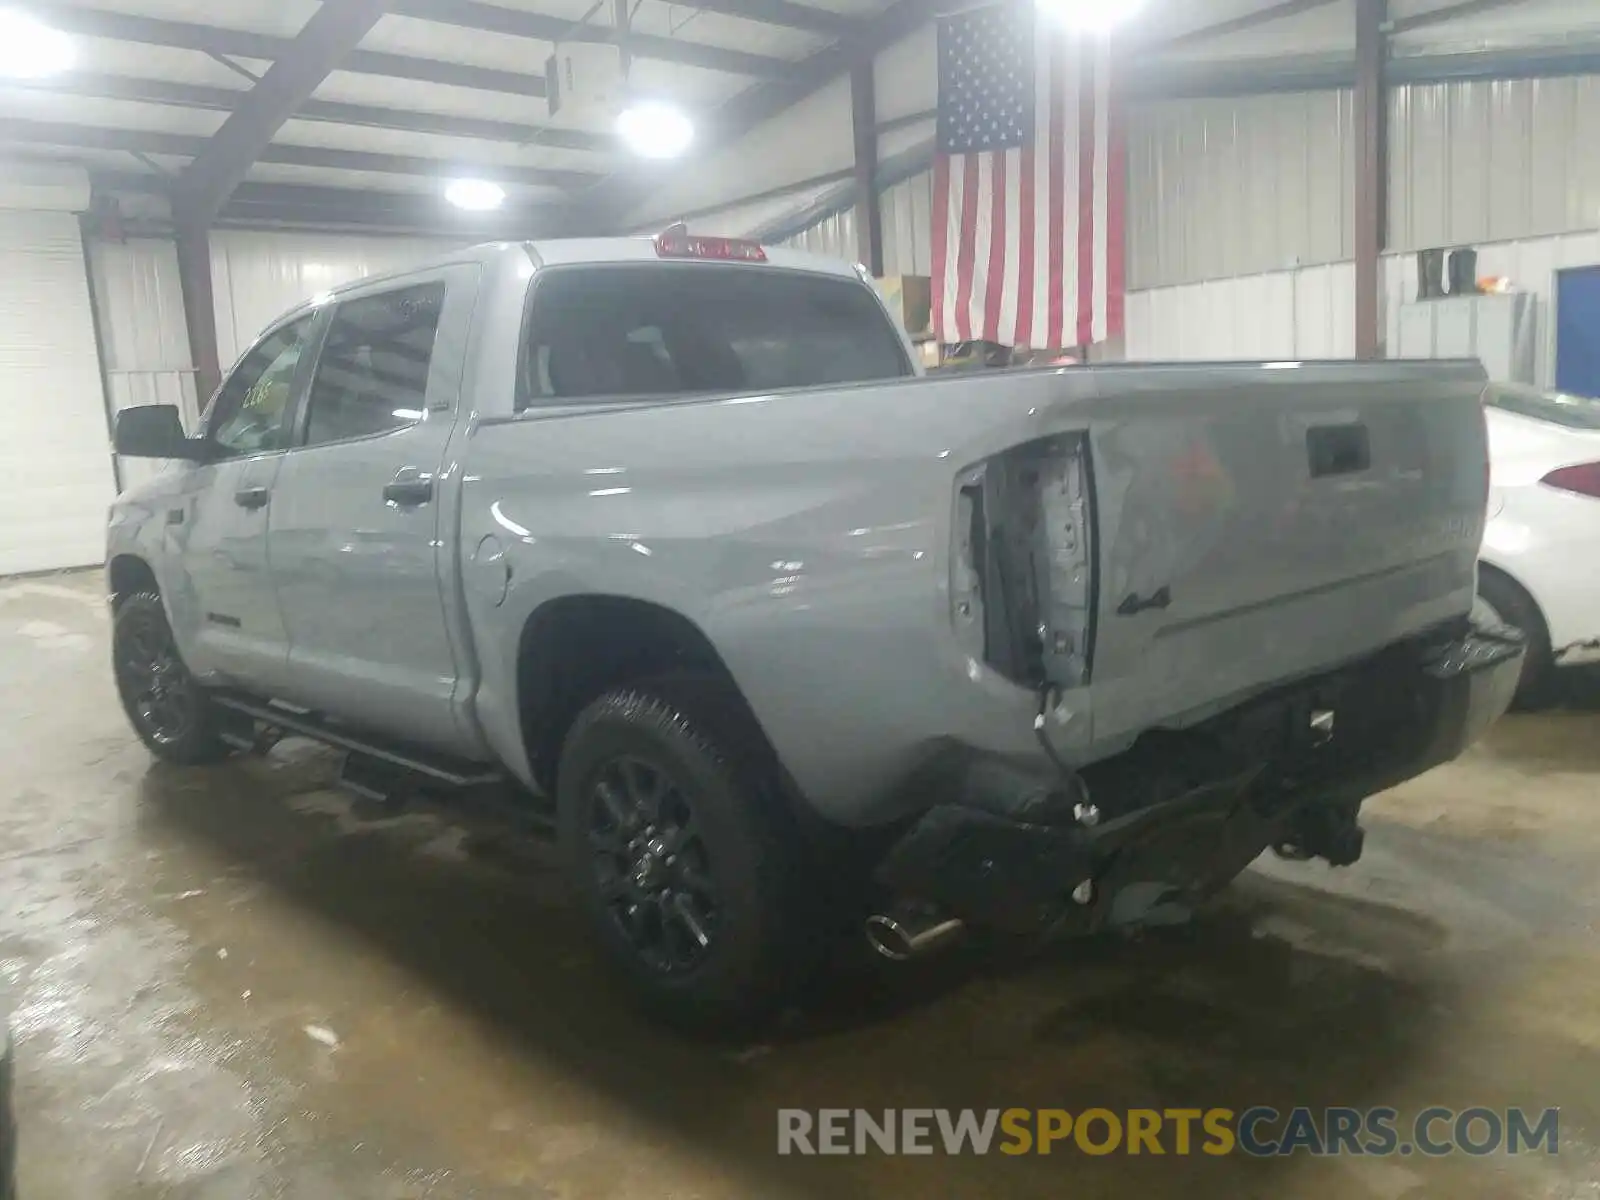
x=674, y=329
x=1558, y=408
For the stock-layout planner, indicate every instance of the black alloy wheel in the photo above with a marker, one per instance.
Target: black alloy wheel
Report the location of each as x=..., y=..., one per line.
x=159, y=691
x=171, y=712
x=651, y=864
x=695, y=880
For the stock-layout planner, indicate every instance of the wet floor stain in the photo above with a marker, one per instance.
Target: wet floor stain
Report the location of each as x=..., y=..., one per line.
x=232, y=984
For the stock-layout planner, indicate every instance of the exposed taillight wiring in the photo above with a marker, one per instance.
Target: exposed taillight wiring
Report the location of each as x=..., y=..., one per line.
x=1582, y=479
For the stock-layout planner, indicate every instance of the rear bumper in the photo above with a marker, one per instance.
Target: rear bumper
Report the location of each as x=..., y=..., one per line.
x=1175, y=818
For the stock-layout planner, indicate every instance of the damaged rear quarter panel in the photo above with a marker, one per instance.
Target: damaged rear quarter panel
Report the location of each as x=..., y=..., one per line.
x=807, y=534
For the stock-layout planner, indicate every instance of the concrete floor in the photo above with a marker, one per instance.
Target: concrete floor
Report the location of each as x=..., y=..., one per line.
x=168, y=938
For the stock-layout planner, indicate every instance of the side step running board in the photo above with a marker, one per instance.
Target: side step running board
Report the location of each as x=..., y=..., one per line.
x=454, y=773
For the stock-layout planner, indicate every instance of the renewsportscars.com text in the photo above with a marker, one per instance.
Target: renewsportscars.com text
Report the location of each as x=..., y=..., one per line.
x=1260, y=1132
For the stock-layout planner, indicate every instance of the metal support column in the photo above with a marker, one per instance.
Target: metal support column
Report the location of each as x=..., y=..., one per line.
x=199, y=309
x=1372, y=168
x=869, y=214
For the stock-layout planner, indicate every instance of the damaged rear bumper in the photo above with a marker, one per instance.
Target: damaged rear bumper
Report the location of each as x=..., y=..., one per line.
x=1157, y=829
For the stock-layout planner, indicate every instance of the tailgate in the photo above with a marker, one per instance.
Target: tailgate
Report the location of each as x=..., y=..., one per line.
x=1266, y=524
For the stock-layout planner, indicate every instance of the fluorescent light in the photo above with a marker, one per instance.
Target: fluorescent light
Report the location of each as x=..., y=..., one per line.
x=475, y=195
x=652, y=129
x=1094, y=16
x=30, y=49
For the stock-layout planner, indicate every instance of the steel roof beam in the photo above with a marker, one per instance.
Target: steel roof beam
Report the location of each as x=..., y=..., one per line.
x=613, y=199
x=335, y=29
x=178, y=145
x=1250, y=20
x=1450, y=12
x=516, y=22
x=783, y=13
x=220, y=99
x=208, y=39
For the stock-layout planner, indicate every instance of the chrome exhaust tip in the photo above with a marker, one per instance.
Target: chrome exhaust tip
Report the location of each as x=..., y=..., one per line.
x=903, y=936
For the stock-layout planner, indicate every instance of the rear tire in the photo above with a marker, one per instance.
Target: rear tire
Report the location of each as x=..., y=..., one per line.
x=1507, y=602
x=172, y=714
x=676, y=838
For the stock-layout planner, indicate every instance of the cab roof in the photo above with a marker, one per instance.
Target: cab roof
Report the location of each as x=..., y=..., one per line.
x=580, y=252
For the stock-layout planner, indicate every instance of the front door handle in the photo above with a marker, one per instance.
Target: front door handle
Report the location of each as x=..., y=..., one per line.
x=1133, y=605
x=252, y=497
x=410, y=488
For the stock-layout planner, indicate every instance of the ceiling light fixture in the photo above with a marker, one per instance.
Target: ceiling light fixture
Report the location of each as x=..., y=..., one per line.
x=475, y=195
x=653, y=129
x=30, y=49
x=1092, y=16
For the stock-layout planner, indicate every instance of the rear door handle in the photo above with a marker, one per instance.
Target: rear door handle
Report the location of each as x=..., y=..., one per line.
x=410, y=488
x=1134, y=604
x=252, y=497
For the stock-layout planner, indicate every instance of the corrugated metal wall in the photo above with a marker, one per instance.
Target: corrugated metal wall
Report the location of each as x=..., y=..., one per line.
x=834, y=236
x=259, y=276
x=1218, y=188
x=908, y=226
x=1490, y=161
x=907, y=210
x=143, y=339
x=142, y=333
x=1223, y=188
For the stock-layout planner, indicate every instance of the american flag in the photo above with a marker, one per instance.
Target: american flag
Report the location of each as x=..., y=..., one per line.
x=1028, y=196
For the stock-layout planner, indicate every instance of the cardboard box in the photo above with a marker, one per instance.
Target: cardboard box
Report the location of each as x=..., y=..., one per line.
x=910, y=299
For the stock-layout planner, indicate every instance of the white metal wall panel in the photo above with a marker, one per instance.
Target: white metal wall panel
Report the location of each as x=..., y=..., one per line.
x=1302, y=314
x=1493, y=161
x=257, y=277
x=56, y=477
x=1310, y=313
x=1227, y=187
x=143, y=339
x=1531, y=265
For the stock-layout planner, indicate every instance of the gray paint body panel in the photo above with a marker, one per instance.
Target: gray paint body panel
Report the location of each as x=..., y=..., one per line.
x=808, y=534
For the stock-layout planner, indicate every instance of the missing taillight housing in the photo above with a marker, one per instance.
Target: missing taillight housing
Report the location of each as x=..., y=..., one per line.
x=1582, y=479
x=1022, y=567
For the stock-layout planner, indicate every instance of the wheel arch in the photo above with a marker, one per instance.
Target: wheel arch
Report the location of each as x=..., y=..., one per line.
x=574, y=648
x=1496, y=571
x=129, y=574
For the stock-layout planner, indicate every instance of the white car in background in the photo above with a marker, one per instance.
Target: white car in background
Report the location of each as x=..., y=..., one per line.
x=1540, y=567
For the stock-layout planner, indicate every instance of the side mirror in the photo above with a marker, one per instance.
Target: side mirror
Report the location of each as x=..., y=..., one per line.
x=154, y=431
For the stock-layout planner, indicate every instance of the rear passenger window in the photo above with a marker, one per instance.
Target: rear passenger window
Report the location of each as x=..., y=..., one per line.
x=372, y=375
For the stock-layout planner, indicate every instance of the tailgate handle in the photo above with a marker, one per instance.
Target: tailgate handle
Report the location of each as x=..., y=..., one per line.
x=1338, y=450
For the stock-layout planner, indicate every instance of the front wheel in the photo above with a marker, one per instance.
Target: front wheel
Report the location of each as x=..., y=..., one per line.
x=169, y=710
x=1503, y=602
x=675, y=837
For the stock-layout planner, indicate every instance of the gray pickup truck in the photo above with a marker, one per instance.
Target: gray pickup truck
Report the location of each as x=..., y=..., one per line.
x=665, y=542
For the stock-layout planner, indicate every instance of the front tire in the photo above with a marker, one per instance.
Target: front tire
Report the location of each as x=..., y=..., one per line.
x=677, y=842
x=1501, y=600
x=171, y=712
